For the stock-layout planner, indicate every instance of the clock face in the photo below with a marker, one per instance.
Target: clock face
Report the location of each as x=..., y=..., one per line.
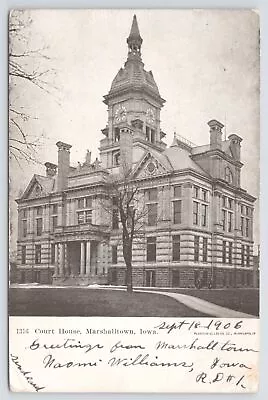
x=120, y=114
x=150, y=116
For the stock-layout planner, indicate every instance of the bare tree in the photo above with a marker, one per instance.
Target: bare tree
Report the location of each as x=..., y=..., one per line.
x=125, y=202
x=27, y=67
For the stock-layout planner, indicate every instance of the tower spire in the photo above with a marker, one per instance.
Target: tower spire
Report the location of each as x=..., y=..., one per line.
x=134, y=39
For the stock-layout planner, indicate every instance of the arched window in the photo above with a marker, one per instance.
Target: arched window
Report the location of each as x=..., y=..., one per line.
x=116, y=160
x=228, y=175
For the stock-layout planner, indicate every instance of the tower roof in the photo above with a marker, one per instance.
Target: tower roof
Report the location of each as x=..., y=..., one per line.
x=133, y=75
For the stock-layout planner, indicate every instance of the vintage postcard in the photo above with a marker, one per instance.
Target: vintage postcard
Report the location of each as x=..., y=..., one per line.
x=134, y=201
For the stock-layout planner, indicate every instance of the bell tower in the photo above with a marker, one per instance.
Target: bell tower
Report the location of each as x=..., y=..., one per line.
x=134, y=104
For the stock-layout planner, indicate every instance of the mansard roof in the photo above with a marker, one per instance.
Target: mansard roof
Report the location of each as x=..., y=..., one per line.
x=134, y=77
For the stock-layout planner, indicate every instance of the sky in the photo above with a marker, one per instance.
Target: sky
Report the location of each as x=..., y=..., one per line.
x=205, y=63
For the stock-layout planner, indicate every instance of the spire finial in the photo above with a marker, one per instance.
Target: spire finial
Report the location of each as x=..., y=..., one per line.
x=134, y=39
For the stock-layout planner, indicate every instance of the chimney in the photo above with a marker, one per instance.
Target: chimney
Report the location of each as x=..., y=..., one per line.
x=51, y=169
x=215, y=134
x=126, y=149
x=63, y=164
x=235, y=146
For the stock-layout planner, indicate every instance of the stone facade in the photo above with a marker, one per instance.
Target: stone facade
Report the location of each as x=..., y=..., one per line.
x=199, y=231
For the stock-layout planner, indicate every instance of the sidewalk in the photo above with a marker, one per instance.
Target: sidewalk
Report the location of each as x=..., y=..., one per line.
x=192, y=302
x=202, y=305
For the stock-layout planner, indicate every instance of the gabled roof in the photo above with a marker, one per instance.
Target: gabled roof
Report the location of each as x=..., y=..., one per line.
x=46, y=184
x=161, y=162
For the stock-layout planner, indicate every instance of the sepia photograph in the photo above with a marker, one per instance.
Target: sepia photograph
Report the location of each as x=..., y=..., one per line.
x=134, y=163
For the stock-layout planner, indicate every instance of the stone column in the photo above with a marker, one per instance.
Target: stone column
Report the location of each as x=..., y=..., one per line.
x=82, y=258
x=97, y=260
x=56, y=269
x=88, y=264
x=62, y=256
x=66, y=259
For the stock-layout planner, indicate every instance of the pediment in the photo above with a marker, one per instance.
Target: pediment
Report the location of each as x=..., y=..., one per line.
x=150, y=166
x=36, y=191
x=38, y=187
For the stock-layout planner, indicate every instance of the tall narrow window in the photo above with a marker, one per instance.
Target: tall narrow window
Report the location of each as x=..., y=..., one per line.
x=230, y=221
x=52, y=253
x=116, y=134
x=115, y=219
x=196, y=248
x=248, y=256
x=24, y=227
x=224, y=219
x=230, y=253
x=176, y=248
x=152, y=214
x=151, y=249
x=204, y=215
x=114, y=254
x=88, y=202
x=224, y=252
x=242, y=255
x=242, y=222
x=196, y=192
x=205, y=249
x=247, y=228
x=54, y=208
x=39, y=210
x=81, y=203
x=204, y=194
x=152, y=194
x=54, y=222
x=195, y=212
x=230, y=203
x=152, y=135
x=38, y=254
x=147, y=133
x=177, y=191
x=39, y=224
x=177, y=212
x=23, y=254
x=116, y=159
x=228, y=175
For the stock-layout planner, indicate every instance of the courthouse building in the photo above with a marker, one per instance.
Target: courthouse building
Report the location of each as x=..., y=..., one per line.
x=199, y=225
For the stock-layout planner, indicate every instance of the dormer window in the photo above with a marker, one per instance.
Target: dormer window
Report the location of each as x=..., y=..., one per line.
x=228, y=175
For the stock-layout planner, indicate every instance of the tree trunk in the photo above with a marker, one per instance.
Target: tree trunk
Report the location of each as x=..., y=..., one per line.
x=129, y=277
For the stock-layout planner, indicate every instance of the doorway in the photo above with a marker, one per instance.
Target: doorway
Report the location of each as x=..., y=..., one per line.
x=150, y=278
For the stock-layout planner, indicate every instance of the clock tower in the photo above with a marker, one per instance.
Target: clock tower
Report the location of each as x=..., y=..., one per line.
x=134, y=105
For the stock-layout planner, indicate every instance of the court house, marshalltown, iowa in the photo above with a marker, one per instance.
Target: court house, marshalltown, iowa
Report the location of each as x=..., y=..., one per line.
x=198, y=227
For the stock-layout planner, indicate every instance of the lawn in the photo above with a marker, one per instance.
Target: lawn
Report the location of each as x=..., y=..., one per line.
x=239, y=299
x=38, y=301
